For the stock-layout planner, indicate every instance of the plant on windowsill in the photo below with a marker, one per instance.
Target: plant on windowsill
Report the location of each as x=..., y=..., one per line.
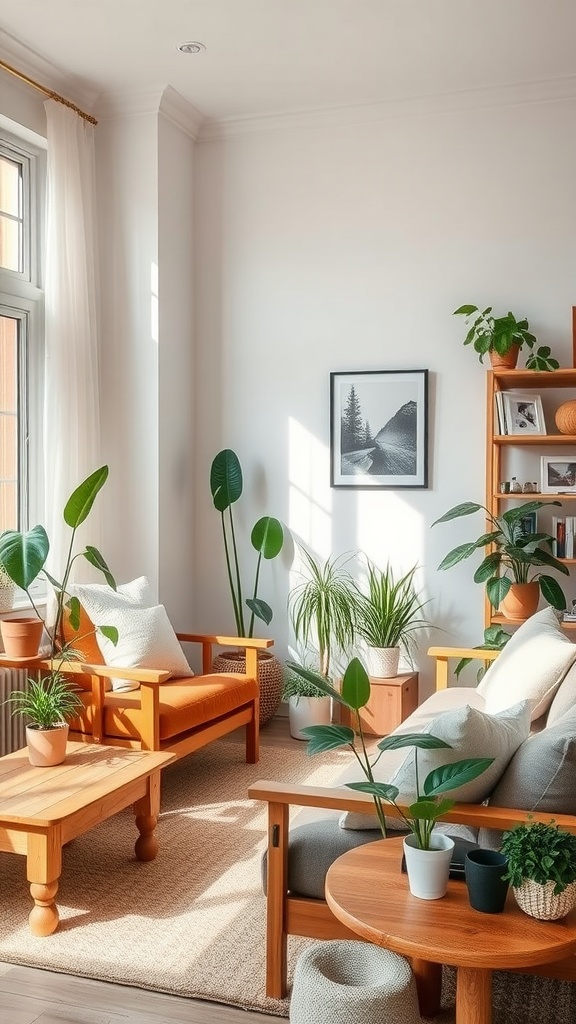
x=511, y=571
x=49, y=702
x=267, y=539
x=430, y=803
x=387, y=616
x=503, y=337
x=541, y=868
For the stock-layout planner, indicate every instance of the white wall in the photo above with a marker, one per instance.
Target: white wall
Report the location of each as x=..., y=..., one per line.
x=348, y=249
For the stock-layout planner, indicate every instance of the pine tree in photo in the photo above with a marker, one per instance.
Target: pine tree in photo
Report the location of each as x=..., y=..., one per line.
x=368, y=439
x=352, y=431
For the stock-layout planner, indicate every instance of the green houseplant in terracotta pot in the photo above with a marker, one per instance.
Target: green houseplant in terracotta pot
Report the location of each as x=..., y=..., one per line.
x=50, y=701
x=512, y=569
x=387, y=616
x=431, y=802
x=503, y=337
x=267, y=539
x=542, y=868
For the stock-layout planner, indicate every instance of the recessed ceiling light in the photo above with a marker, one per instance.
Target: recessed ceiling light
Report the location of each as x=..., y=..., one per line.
x=191, y=47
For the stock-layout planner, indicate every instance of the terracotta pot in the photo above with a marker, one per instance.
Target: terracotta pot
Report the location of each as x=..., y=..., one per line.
x=47, y=747
x=21, y=637
x=270, y=677
x=507, y=362
x=521, y=601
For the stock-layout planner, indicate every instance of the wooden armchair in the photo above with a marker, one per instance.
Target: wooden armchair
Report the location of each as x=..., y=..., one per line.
x=291, y=914
x=179, y=715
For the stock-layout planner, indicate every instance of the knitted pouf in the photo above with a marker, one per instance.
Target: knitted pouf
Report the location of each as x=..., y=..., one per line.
x=348, y=982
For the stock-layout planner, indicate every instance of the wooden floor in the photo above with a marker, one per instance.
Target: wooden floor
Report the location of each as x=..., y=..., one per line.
x=32, y=996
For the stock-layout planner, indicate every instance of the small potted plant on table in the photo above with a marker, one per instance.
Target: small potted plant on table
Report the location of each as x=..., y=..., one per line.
x=542, y=869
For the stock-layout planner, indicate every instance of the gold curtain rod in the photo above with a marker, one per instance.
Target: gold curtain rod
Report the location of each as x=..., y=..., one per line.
x=47, y=92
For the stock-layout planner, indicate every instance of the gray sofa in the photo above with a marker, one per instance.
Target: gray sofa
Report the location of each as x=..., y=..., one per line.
x=524, y=710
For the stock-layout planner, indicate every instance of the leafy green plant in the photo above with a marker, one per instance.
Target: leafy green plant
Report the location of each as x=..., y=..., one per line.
x=540, y=852
x=430, y=804
x=488, y=333
x=322, y=608
x=23, y=557
x=296, y=686
x=267, y=538
x=516, y=553
x=48, y=702
x=388, y=614
x=495, y=639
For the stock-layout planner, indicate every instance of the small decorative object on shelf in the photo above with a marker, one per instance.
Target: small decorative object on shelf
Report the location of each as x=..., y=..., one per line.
x=566, y=417
x=515, y=486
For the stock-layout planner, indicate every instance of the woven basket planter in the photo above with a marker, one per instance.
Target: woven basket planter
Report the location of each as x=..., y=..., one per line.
x=539, y=900
x=7, y=591
x=270, y=678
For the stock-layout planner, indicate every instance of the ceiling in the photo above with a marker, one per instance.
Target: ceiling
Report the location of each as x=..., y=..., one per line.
x=267, y=57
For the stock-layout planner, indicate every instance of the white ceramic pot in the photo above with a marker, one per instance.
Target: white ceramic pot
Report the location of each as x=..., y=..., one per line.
x=382, y=662
x=428, y=870
x=304, y=711
x=539, y=900
x=47, y=747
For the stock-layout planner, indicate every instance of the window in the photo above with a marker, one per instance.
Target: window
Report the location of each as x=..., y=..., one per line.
x=21, y=332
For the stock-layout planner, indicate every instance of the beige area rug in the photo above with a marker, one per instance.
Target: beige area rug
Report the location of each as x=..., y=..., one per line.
x=191, y=923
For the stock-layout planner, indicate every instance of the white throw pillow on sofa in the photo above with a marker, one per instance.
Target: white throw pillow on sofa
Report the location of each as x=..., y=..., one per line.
x=470, y=733
x=531, y=666
x=146, y=639
x=97, y=598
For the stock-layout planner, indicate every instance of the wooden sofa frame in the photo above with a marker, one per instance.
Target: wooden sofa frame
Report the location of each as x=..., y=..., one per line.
x=247, y=714
x=289, y=914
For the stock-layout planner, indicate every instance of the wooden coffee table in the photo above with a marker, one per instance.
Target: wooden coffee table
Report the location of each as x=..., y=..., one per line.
x=41, y=809
x=366, y=890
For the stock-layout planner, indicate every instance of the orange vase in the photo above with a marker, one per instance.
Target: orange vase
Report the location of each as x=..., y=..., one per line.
x=521, y=601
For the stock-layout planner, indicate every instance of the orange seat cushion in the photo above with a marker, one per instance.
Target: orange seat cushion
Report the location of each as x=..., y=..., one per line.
x=185, y=704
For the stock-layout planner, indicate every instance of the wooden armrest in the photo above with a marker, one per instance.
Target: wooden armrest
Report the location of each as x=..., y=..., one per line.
x=224, y=641
x=82, y=668
x=444, y=654
x=341, y=799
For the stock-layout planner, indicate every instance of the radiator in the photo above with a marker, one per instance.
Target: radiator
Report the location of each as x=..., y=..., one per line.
x=12, y=728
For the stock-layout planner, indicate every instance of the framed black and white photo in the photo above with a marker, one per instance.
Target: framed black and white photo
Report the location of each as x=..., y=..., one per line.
x=558, y=476
x=379, y=428
x=523, y=414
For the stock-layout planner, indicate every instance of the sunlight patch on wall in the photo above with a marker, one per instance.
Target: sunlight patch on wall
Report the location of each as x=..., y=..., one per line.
x=310, y=496
x=389, y=530
x=154, y=302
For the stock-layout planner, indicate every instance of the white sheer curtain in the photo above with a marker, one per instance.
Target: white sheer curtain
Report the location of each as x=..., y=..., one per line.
x=71, y=397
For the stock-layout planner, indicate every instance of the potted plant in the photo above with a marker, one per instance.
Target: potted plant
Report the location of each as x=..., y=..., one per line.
x=323, y=608
x=511, y=570
x=50, y=701
x=387, y=617
x=307, y=705
x=503, y=337
x=541, y=868
x=267, y=539
x=428, y=875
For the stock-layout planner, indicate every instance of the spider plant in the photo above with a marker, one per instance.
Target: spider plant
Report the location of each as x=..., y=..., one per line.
x=390, y=612
x=322, y=608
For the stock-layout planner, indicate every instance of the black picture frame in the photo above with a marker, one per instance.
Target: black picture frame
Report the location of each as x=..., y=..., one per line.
x=379, y=429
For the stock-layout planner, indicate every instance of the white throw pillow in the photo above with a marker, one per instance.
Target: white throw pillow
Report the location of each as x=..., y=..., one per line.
x=470, y=733
x=531, y=666
x=145, y=640
x=97, y=598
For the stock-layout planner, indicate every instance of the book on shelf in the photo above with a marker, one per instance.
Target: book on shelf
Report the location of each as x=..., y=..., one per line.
x=500, y=414
x=563, y=530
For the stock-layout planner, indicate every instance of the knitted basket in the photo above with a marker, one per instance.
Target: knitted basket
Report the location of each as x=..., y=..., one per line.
x=270, y=678
x=539, y=900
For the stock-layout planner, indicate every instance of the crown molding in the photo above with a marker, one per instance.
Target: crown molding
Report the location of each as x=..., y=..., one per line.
x=30, y=63
x=547, y=91
x=167, y=102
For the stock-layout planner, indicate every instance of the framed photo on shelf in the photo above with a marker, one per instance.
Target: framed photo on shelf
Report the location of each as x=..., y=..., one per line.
x=379, y=429
x=523, y=414
x=557, y=476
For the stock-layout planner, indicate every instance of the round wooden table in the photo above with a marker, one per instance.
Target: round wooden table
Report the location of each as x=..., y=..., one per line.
x=368, y=892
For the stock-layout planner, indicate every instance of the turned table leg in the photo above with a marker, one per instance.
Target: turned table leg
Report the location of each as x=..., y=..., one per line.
x=44, y=867
x=473, y=996
x=429, y=986
x=44, y=917
x=146, y=810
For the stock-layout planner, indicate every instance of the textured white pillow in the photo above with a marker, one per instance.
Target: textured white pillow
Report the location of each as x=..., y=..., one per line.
x=97, y=598
x=531, y=666
x=470, y=733
x=145, y=640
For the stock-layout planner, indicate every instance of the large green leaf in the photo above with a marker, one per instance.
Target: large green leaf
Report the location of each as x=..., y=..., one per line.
x=465, y=310
x=268, y=537
x=23, y=554
x=548, y=559
x=424, y=741
x=552, y=592
x=451, y=776
x=356, y=685
x=260, y=609
x=80, y=502
x=429, y=810
x=327, y=737
x=92, y=555
x=496, y=590
x=317, y=680
x=457, y=555
x=465, y=509
x=225, y=479
x=381, y=789
x=488, y=567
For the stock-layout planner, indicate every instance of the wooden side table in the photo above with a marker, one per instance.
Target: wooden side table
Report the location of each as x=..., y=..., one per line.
x=391, y=701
